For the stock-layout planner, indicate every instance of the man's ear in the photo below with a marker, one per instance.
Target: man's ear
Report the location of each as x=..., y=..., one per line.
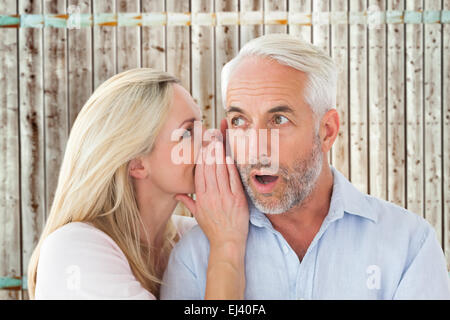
x=137, y=170
x=329, y=129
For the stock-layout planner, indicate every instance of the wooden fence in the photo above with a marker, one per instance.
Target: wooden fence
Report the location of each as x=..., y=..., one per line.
x=393, y=94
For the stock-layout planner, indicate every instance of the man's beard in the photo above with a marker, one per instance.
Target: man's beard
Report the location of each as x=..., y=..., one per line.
x=300, y=181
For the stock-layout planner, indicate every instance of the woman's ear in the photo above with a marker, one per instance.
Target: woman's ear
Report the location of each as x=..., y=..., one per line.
x=137, y=170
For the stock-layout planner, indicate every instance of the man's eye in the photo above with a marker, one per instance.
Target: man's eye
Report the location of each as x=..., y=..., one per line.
x=280, y=119
x=237, y=121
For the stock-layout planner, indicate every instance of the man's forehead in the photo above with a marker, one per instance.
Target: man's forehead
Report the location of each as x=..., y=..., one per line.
x=266, y=91
x=255, y=68
x=272, y=79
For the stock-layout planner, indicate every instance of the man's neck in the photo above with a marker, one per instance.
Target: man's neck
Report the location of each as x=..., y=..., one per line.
x=300, y=224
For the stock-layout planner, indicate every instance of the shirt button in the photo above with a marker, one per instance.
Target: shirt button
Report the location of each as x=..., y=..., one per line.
x=285, y=249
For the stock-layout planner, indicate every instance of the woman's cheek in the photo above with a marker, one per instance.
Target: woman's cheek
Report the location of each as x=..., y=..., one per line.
x=181, y=178
x=195, y=151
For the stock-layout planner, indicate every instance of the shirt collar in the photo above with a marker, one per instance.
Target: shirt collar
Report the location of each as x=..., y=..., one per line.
x=257, y=218
x=344, y=199
x=349, y=199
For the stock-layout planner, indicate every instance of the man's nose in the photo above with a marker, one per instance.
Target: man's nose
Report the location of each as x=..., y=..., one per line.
x=259, y=144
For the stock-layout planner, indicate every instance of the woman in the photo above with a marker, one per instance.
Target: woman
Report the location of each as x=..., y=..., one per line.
x=109, y=232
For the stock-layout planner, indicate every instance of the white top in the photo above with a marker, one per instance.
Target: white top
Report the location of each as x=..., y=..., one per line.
x=79, y=261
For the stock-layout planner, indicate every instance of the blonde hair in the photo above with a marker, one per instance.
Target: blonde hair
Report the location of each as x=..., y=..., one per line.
x=320, y=93
x=119, y=122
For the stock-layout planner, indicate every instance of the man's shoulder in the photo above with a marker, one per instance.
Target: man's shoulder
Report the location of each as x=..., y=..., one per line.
x=385, y=214
x=389, y=210
x=183, y=223
x=397, y=218
x=193, y=240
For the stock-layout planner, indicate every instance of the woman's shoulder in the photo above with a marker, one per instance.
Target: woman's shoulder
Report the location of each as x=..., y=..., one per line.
x=79, y=239
x=79, y=260
x=183, y=223
x=78, y=234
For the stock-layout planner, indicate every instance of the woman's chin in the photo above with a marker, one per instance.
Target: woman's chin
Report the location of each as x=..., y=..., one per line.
x=185, y=185
x=189, y=189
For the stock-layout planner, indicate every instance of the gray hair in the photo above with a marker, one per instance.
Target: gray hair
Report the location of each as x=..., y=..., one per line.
x=296, y=53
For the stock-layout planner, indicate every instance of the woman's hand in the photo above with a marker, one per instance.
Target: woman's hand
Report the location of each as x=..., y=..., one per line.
x=221, y=211
x=220, y=207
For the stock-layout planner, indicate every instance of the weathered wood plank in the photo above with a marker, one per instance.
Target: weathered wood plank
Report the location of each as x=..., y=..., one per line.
x=301, y=6
x=32, y=141
x=226, y=48
x=414, y=113
x=55, y=99
x=202, y=72
x=153, y=39
x=80, y=82
x=321, y=30
x=178, y=45
x=358, y=101
x=446, y=133
x=275, y=5
x=248, y=32
x=432, y=121
x=396, y=109
x=339, y=52
x=128, y=39
x=104, y=44
x=377, y=104
x=10, y=248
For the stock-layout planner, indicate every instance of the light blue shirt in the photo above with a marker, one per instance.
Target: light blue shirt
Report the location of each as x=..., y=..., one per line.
x=366, y=248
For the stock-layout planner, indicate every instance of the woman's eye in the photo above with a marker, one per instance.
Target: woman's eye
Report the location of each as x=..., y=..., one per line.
x=280, y=119
x=187, y=134
x=237, y=122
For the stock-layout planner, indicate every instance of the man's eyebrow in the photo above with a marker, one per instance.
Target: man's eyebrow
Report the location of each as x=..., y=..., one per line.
x=187, y=120
x=234, y=109
x=281, y=109
x=272, y=110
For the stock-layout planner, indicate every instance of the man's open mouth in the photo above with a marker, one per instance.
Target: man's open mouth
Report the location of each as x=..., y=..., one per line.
x=264, y=183
x=265, y=179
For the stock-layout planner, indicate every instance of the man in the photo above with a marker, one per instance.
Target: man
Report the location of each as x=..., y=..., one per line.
x=312, y=234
